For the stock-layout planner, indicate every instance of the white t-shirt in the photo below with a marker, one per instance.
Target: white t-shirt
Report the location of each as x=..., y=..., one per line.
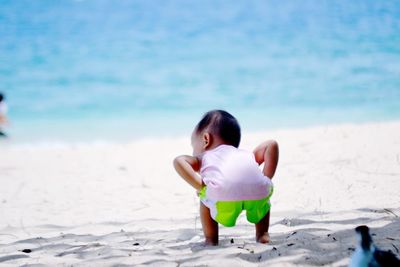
x=232, y=174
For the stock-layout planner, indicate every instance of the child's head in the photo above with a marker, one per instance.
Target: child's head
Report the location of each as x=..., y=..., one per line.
x=216, y=127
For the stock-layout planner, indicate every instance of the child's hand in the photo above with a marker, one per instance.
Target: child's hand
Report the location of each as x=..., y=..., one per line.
x=198, y=192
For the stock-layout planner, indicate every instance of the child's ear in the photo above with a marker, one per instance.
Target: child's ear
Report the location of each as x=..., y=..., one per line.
x=206, y=140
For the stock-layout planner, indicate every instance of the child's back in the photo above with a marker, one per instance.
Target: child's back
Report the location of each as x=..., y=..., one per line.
x=232, y=174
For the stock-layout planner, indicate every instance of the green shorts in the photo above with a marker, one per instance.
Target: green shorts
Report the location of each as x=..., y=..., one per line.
x=227, y=212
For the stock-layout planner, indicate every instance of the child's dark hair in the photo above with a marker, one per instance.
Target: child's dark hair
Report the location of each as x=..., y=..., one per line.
x=1, y=97
x=222, y=124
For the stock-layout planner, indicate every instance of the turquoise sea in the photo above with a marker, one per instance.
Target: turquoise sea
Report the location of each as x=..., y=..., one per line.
x=121, y=69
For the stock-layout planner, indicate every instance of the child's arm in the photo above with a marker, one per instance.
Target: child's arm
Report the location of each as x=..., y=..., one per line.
x=267, y=153
x=187, y=167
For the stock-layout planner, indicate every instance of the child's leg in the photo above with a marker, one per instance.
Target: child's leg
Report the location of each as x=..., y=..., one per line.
x=210, y=227
x=262, y=227
x=267, y=153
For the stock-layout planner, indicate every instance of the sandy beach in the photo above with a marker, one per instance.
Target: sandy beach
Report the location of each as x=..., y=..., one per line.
x=103, y=204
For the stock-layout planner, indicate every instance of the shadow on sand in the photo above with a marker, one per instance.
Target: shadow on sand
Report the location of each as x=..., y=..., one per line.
x=304, y=240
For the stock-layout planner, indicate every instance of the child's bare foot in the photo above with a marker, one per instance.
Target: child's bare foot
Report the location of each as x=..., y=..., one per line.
x=264, y=238
x=210, y=242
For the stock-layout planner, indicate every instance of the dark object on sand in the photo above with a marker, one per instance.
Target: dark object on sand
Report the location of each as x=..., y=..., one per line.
x=368, y=255
x=27, y=250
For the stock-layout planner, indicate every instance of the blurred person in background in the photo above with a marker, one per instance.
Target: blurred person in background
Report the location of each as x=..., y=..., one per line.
x=3, y=115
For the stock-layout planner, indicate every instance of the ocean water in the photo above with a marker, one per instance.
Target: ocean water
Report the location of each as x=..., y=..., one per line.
x=120, y=69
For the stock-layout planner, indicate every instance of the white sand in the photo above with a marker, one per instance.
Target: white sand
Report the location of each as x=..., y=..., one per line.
x=123, y=204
